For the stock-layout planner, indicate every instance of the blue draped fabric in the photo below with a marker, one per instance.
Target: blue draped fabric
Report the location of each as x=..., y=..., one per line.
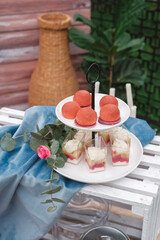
x=23, y=175
x=140, y=129
x=22, y=180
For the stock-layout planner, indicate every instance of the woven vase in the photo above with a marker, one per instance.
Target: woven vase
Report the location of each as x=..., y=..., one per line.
x=54, y=77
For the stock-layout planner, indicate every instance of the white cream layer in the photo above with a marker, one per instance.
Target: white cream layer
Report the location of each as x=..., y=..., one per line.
x=72, y=145
x=96, y=154
x=120, y=146
x=119, y=133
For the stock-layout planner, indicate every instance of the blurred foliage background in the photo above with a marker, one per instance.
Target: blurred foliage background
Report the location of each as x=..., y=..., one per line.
x=124, y=40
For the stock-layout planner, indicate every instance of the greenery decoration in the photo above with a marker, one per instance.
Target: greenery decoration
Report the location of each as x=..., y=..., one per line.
x=49, y=139
x=113, y=48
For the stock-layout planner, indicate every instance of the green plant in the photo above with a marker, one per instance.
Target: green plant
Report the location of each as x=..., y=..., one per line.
x=113, y=48
x=49, y=138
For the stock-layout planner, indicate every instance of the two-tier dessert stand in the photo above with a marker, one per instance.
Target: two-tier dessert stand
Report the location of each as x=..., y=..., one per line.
x=111, y=172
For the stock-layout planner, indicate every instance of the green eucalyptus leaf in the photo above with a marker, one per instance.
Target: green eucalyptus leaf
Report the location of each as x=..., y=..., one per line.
x=67, y=129
x=63, y=156
x=49, y=130
x=54, y=146
x=35, y=143
x=60, y=162
x=71, y=134
x=59, y=152
x=55, y=178
x=61, y=140
x=57, y=132
x=52, y=209
x=50, y=162
x=52, y=191
x=36, y=135
x=58, y=200
x=43, y=131
x=7, y=143
x=47, y=201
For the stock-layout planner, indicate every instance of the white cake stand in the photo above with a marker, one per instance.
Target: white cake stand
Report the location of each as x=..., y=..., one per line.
x=80, y=172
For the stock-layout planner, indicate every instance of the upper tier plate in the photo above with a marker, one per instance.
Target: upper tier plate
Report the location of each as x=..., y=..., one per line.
x=123, y=107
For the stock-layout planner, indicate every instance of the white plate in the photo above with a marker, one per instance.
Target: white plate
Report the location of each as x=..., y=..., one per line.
x=123, y=107
x=81, y=173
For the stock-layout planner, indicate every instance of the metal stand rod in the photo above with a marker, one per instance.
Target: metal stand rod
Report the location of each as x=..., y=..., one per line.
x=93, y=87
x=93, y=103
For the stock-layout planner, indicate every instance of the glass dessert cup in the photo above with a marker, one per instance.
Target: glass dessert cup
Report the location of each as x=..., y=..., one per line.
x=120, y=133
x=96, y=154
x=73, y=148
x=82, y=213
x=120, y=152
x=105, y=135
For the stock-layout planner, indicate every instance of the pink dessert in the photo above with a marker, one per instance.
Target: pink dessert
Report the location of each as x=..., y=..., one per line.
x=73, y=149
x=120, y=152
x=95, y=158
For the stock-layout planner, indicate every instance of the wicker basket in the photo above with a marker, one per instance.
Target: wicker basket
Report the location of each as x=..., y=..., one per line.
x=54, y=77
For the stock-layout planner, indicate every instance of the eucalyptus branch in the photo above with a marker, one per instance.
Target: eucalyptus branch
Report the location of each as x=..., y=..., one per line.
x=49, y=149
x=51, y=186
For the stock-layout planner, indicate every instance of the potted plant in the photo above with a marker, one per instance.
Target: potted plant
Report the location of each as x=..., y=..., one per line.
x=113, y=48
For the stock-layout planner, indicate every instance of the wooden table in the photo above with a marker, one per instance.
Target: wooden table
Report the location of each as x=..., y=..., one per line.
x=138, y=193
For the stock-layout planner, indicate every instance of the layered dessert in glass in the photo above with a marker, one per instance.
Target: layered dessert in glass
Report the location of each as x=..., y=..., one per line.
x=96, y=154
x=73, y=148
x=120, y=146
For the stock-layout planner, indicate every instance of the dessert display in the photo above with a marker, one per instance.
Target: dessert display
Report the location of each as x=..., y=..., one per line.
x=70, y=109
x=95, y=155
x=80, y=115
x=99, y=121
x=108, y=99
x=120, y=152
x=109, y=114
x=86, y=117
x=73, y=149
x=83, y=98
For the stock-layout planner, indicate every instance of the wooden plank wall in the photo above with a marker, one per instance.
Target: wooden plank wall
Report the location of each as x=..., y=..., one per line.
x=19, y=44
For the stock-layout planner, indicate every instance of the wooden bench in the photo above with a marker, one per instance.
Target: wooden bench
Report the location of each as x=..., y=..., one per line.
x=138, y=193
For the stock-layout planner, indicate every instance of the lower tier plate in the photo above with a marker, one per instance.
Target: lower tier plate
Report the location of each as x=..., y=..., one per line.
x=81, y=172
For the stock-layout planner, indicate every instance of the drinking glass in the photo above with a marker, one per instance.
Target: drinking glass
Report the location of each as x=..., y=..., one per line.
x=81, y=214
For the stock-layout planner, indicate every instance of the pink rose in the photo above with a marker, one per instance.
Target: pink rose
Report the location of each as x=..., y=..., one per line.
x=43, y=152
